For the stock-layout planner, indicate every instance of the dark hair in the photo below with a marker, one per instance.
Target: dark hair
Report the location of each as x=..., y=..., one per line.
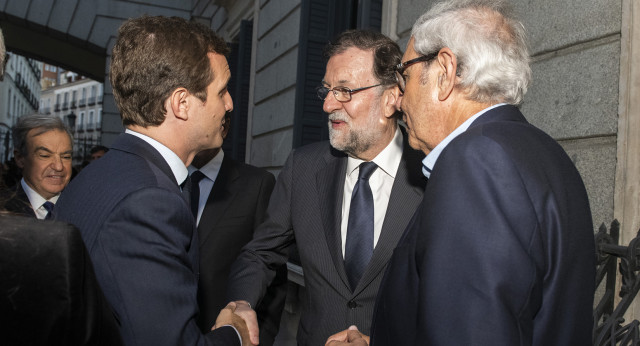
x=44, y=123
x=386, y=53
x=98, y=148
x=152, y=57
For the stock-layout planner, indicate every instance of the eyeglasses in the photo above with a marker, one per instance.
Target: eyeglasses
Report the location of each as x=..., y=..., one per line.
x=342, y=94
x=401, y=67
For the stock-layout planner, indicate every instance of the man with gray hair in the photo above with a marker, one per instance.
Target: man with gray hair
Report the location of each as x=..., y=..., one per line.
x=43, y=150
x=501, y=249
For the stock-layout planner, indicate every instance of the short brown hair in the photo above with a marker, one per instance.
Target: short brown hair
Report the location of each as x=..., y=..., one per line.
x=386, y=53
x=152, y=57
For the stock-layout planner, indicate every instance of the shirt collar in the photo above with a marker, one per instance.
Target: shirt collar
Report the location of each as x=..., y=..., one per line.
x=177, y=166
x=211, y=168
x=34, y=198
x=388, y=159
x=432, y=157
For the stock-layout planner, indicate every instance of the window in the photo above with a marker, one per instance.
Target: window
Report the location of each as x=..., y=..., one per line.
x=90, y=122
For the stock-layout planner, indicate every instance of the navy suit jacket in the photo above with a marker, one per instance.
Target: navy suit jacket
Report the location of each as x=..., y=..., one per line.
x=501, y=249
x=141, y=237
x=235, y=207
x=305, y=208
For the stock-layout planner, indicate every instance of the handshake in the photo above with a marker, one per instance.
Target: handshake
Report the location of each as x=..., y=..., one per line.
x=243, y=318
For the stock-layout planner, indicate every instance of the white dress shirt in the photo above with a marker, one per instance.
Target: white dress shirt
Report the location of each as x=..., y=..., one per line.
x=36, y=200
x=381, y=182
x=210, y=171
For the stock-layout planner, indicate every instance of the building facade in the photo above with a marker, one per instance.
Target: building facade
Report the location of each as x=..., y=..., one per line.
x=585, y=61
x=19, y=95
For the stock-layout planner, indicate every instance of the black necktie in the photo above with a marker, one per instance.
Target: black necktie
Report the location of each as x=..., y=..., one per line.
x=196, y=177
x=359, y=246
x=48, y=206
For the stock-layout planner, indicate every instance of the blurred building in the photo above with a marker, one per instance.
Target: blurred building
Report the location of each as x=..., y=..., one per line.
x=19, y=95
x=78, y=101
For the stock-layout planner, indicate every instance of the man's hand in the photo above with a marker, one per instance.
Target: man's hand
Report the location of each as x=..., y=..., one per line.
x=347, y=337
x=240, y=315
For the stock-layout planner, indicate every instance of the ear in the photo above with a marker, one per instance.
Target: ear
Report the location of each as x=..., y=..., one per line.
x=178, y=103
x=446, y=75
x=391, y=99
x=19, y=159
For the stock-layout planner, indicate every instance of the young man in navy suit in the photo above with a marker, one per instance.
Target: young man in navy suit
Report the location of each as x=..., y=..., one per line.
x=501, y=250
x=169, y=80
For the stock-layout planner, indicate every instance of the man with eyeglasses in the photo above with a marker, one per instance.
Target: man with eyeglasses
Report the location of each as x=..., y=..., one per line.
x=501, y=249
x=344, y=222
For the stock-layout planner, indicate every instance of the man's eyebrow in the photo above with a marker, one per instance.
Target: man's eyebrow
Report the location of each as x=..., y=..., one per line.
x=342, y=82
x=43, y=149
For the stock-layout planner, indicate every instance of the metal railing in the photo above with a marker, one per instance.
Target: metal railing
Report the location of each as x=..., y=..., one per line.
x=609, y=327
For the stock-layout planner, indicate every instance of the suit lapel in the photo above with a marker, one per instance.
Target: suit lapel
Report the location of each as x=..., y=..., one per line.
x=19, y=202
x=220, y=197
x=330, y=187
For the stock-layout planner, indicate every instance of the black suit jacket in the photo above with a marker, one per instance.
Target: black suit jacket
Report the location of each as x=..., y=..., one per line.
x=501, y=249
x=49, y=292
x=15, y=200
x=235, y=207
x=141, y=236
x=305, y=208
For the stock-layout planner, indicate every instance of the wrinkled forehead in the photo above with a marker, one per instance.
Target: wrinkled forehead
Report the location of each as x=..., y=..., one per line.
x=353, y=66
x=46, y=136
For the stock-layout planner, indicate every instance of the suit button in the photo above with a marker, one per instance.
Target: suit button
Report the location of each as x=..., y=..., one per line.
x=352, y=305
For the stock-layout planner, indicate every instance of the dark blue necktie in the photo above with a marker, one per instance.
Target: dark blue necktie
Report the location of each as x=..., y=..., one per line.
x=48, y=206
x=196, y=177
x=359, y=246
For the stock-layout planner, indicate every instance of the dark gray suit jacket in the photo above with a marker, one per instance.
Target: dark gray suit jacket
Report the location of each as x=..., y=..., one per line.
x=305, y=209
x=15, y=200
x=235, y=207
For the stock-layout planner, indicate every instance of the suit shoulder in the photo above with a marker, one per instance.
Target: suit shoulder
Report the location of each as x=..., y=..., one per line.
x=246, y=169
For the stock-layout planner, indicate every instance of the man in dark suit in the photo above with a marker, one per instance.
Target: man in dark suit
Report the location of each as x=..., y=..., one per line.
x=43, y=150
x=232, y=201
x=312, y=200
x=501, y=250
x=50, y=295
x=169, y=79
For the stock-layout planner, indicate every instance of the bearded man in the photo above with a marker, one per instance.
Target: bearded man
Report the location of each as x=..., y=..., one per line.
x=344, y=222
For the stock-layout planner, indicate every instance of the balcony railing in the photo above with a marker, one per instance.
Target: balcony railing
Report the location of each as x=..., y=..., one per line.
x=608, y=318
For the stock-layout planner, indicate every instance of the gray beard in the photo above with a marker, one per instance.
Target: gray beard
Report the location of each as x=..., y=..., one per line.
x=353, y=144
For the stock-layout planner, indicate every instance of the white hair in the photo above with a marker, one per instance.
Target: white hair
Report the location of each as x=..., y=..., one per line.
x=488, y=42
